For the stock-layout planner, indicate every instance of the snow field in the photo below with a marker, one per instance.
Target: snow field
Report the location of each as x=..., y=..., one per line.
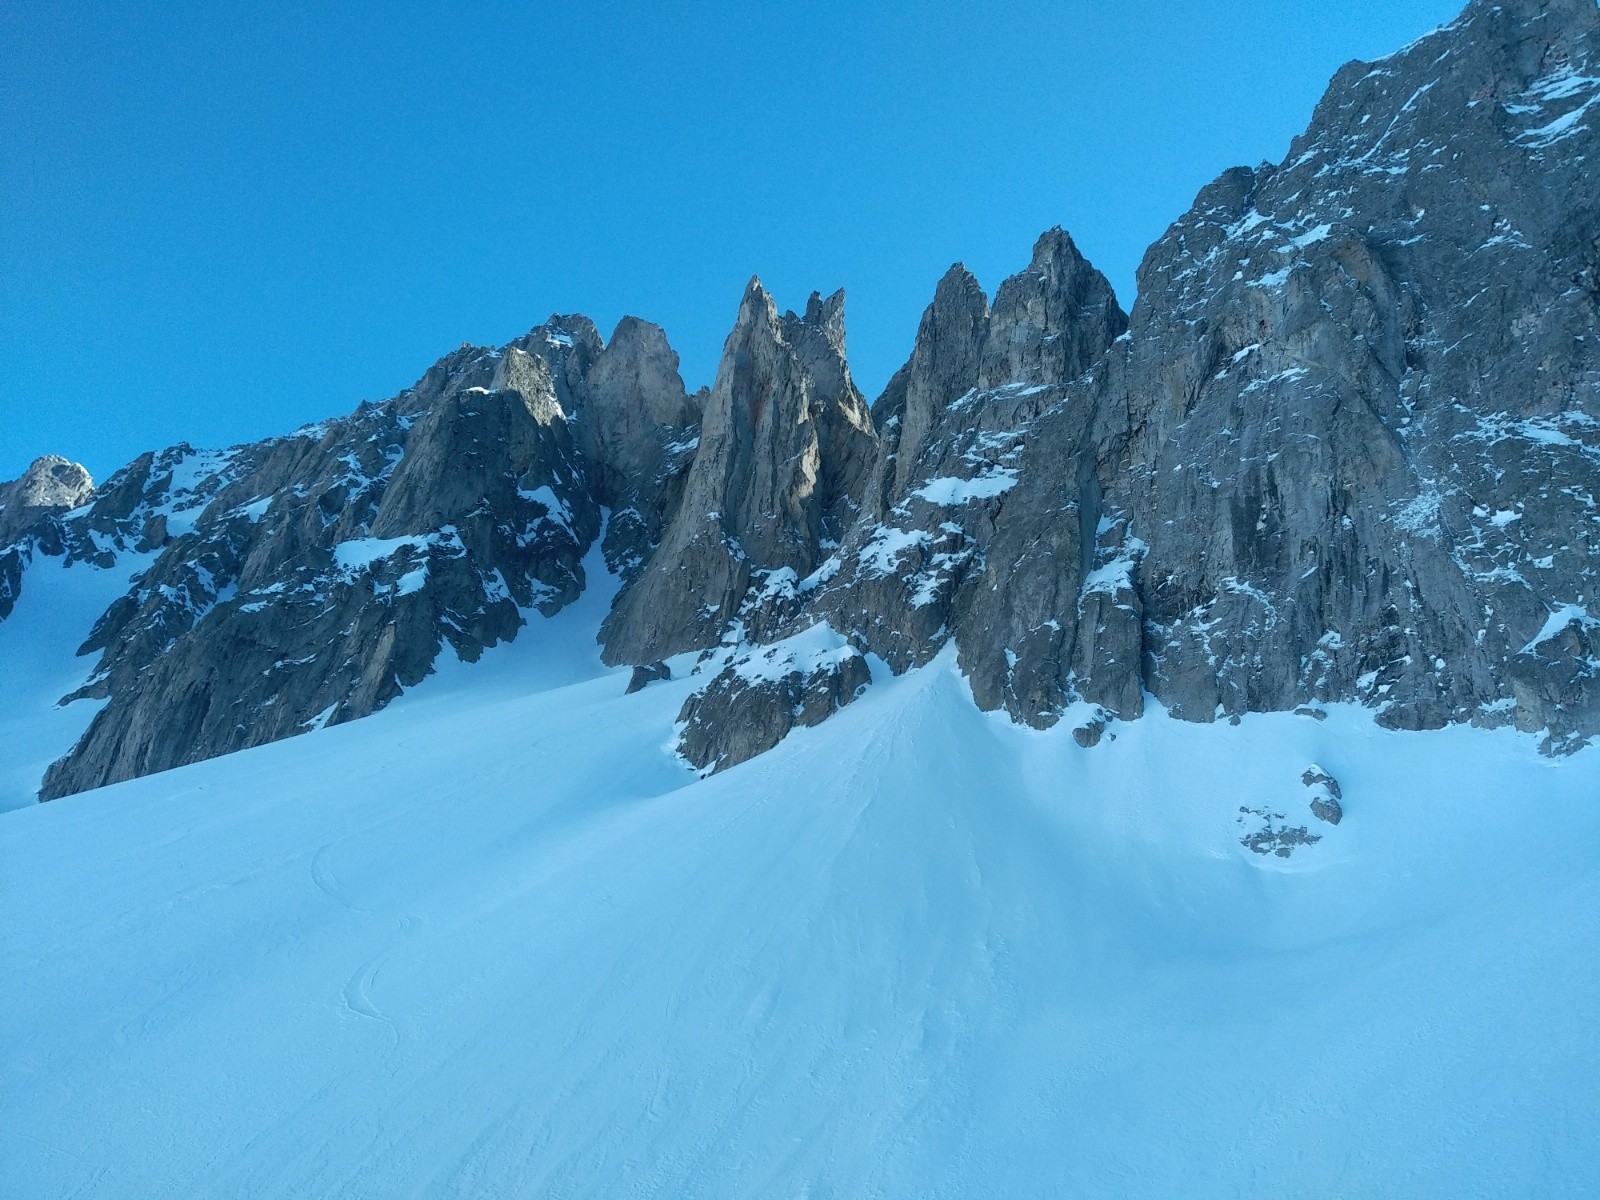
x=495, y=941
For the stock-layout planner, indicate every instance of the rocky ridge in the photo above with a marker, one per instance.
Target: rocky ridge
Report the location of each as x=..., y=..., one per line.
x=308, y=579
x=1345, y=447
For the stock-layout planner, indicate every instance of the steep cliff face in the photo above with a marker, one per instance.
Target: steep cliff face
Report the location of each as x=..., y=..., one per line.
x=786, y=445
x=1346, y=451
x=1345, y=448
x=638, y=428
x=1362, y=392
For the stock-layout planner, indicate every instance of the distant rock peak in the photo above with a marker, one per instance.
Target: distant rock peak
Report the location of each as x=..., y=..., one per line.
x=50, y=485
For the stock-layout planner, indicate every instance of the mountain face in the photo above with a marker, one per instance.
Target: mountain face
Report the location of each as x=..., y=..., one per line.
x=1362, y=397
x=1346, y=447
x=309, y=579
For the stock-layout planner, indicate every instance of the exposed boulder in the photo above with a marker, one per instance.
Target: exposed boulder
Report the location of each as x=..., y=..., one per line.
x=1325, y=795
x=643, y=676
x=752, y=703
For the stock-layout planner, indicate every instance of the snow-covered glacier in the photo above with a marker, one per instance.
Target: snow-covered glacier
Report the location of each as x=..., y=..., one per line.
x=497, y=940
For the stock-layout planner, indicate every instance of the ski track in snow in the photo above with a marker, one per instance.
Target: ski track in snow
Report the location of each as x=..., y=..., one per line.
x=494, y=941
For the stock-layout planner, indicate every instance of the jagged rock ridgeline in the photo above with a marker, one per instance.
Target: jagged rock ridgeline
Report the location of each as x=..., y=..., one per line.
x=308, y=579
x=912, y=571
x=1346, y=447
x=786, y=445
x=1346, y=451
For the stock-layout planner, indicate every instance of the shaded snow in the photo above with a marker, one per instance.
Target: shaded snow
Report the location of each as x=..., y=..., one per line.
x=357, y=554
x=881, y=554
x=494, y=941
x=554, y=506
x=39, y=665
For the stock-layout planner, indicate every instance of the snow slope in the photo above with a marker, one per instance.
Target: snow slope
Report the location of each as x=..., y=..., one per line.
x=39, y=665
x=495, y=941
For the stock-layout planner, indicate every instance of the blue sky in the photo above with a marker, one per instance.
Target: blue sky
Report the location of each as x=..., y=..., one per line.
x=222, y=220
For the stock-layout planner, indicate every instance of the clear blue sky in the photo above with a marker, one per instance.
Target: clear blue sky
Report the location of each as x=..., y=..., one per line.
x=218, y=221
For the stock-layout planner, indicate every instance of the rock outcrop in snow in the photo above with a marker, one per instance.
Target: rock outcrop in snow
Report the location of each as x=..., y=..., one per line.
x=1346, y=447
x=752, y=703
x=1325, y=795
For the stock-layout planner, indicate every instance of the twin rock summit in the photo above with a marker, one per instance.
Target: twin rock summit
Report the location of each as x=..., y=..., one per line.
x=1346, y=448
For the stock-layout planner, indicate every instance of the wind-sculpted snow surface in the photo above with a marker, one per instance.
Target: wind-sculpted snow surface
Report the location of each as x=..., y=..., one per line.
x=496, y=941
x=1346, y=448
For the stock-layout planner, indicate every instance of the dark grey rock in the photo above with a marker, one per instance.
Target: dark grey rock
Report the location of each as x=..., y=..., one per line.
x=1325, y=795
x=29, y=508
x=307, y=580
x=786, y=443
x=1269, y=835
x=51, y=484
x=639, y=428
x=1327, y=810
x=1347, y=451
x=752, y=703
x=644, y=676
x=1090, y=732
x=1555, y=680
x=1315, y=777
